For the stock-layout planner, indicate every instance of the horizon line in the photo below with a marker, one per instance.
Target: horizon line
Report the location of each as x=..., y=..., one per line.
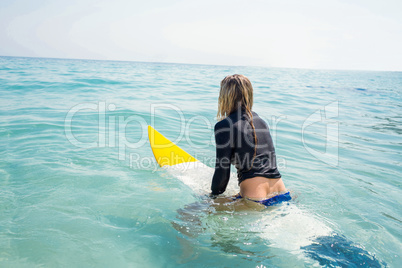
x=206, y=64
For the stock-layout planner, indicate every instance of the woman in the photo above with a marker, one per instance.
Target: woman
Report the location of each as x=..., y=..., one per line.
x=243, y=139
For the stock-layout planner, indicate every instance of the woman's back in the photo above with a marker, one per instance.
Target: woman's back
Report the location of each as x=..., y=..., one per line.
x=250, y=158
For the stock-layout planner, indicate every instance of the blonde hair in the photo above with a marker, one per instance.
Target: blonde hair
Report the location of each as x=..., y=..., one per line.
x=236, y=93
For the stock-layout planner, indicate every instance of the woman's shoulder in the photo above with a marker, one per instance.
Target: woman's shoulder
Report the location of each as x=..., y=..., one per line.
x=255, y=114
x=259, y=121
x=223, y=124
x=227, y=123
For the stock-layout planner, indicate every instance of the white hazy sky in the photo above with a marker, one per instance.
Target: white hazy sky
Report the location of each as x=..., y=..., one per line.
x=324, y=34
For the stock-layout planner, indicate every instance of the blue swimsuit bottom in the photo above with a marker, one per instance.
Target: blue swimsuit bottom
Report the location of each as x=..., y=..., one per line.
x=270, y=201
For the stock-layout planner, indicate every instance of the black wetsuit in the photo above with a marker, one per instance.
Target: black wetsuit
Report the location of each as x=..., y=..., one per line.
x=234, y=139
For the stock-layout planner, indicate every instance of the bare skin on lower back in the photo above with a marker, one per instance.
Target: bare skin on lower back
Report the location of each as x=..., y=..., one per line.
x=261, y=187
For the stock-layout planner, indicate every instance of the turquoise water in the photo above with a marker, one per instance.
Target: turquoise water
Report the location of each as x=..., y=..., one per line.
x=79, y=186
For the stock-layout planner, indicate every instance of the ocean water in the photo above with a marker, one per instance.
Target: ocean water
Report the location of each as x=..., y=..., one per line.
x=79, y=186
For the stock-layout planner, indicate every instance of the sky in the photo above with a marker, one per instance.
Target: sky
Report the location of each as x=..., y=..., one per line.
x=316, y=34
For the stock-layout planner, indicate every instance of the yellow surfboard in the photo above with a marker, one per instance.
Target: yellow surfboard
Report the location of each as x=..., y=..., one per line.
x=165, y=151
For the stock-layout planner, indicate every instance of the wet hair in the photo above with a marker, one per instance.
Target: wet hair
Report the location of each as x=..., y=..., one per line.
x=236, y=93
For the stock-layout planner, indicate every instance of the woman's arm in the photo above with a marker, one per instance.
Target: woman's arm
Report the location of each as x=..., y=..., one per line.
x=224, y=148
